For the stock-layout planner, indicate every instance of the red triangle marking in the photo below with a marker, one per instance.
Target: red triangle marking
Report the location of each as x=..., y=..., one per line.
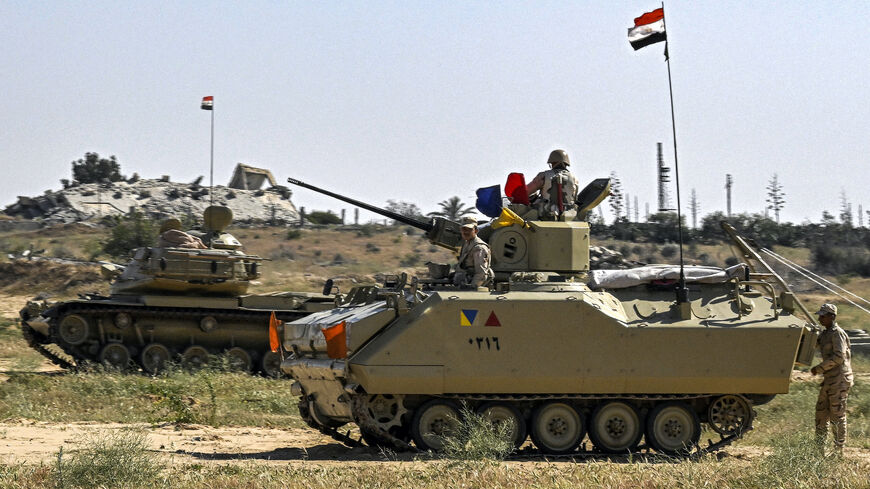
x=493, y=320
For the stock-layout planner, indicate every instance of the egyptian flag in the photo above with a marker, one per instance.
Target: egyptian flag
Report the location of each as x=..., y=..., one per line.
x=208, y=102
x=648, y=29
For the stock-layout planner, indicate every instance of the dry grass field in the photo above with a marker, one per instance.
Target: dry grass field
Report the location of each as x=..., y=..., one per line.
x=219, y=429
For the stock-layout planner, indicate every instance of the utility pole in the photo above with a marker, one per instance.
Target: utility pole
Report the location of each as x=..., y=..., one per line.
x=636, y=216
x=694, y=206
x=627, y=208
x=728, y=183
x=664, y=179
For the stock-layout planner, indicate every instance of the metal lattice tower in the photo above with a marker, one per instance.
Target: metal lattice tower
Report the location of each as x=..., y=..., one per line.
x=664, y=179
x=728, y=182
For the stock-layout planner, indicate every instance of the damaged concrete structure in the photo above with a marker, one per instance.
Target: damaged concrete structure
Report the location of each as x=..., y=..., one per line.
x=161, y=198
x=249, y=178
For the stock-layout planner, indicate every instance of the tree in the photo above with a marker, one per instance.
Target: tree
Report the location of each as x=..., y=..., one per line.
x=93, y=169
x=845, y=209
x=321, y=217
x=130, y=232
x=617, y=199
x=775, y=196
x=452, y=209
x=403, y=208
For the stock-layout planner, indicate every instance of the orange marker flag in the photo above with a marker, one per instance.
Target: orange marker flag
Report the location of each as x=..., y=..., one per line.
x=274, y=342
x=336, y=340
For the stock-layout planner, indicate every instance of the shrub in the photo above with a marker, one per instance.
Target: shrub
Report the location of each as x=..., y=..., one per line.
x=130, y=232
x=478, y=438
x=321, y=217
x=410, y=260
x=293, y=234
x=372, y=248
x=669, y=251
x=108, y=459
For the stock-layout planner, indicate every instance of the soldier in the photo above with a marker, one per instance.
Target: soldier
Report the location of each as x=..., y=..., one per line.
x=473, y=269
x=837, y=370
x=171, y=236
x=558, y=186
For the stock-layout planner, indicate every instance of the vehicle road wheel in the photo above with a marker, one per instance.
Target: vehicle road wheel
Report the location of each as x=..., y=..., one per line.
x=194, y=358
x=729, y=415
x=73, y=329
x=154, y=358
x=434, y=421
x=500, y=413
x=271, y=364
x=239, y=359
x=115, y=355
x=673, y=428
x=616, y=427
x=557, y=428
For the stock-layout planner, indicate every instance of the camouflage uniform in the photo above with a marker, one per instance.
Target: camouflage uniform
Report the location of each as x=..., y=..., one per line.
x=473, y=268
x=837, y=370
x=543, y=181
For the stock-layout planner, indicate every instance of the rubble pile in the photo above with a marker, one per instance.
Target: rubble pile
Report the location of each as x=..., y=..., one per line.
x=158, y=199
x=601, y=258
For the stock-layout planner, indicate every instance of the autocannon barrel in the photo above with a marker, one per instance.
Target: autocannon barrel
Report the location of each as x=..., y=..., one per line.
x=440, y=231
x=425, y=226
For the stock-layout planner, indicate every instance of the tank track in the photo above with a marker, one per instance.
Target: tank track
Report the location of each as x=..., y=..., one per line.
x=135, y=311
x=30, y=336
x=366, y=423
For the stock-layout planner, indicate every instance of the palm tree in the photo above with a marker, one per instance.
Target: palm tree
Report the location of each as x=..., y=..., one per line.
x=452, y=209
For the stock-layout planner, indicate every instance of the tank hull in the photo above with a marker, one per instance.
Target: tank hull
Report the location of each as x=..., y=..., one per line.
x=119, y=330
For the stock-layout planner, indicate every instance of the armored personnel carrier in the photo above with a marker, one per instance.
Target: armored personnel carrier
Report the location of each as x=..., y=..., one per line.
x=620, y=360
x=172, y=304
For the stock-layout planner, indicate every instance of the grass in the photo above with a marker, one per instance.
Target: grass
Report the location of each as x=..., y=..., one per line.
x=205, y=397
x=478, y=438
x=108, y=459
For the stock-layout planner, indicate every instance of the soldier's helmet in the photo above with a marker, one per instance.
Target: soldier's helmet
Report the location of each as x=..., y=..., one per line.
x=171, y=223
x=558, y=157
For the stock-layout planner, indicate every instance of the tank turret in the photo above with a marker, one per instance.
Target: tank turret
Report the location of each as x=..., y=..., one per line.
x=558, y=358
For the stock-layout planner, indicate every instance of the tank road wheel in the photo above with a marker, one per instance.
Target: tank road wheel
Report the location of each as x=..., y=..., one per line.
x=271, y=364
x=673, y=428
x=239, y=359
x=433, y=421
x=115, y=355
x=499, y=413
x=194, y=358
x=73, y=329
x=557, y=428
x=729, y=415
x=616, y=427
x=154, y=358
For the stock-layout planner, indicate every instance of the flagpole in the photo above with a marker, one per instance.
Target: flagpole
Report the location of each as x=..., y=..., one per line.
x=682, y=290
x=211, y=163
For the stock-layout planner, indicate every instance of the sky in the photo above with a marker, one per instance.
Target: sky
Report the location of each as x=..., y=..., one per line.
x=421, y=101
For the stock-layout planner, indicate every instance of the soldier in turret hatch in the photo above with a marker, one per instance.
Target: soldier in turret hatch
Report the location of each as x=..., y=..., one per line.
x=836, y=367
x=171, y=236
x=558, y=187
x=473, y=269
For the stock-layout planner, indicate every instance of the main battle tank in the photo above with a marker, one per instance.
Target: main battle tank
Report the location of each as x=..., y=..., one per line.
x=556, y=350
x=172, y=303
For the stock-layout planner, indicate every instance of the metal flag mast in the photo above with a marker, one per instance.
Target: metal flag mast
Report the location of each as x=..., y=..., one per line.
x=682, y=290
x=208, y=104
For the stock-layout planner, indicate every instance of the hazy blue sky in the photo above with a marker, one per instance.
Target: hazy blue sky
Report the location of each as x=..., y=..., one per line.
x=420, y=101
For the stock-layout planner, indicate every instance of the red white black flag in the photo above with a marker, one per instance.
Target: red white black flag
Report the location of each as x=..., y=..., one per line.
x=648, y=29
x=207, y=103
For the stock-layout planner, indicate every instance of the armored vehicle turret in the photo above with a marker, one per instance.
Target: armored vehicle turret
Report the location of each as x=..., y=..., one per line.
x=556, y=350
x=185, y=301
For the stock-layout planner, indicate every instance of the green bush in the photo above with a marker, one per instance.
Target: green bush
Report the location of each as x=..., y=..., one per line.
x=478, y=438
x=130, y=232
x=321, y=217
x=293, y=234
x=108, y=459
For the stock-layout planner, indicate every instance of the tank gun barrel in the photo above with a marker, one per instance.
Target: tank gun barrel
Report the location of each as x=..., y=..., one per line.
x=425, y=226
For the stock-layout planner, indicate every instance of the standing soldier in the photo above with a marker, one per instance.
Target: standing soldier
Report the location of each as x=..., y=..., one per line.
x=836, y=367
x=473, y=269
x=558, y=187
